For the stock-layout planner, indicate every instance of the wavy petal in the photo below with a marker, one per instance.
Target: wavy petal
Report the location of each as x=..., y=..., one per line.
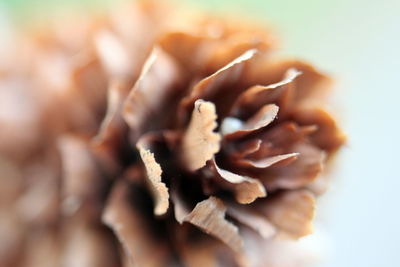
x=267, y=162
x=280, y=140
x=209, y=215
x=299, y=173
x=291, y=211
x=246, y=148
x=258, y=121
x=246, y=189
x=132, y=230
x=211, y=86
x=312, y=84
x=154, y=171
x=199, y=142
x=253, y=220
x=155, y=90
x=257, y=96
x=328, y=136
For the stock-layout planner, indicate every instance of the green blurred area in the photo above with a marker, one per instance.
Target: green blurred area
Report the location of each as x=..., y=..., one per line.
x=257, y=6
x=289, y=18
x=273, y=10
x=284, y=10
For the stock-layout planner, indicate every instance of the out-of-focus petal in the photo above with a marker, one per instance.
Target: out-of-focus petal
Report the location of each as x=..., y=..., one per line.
x=328, y=135
x=253, y=220
x=82, y=180
x=129, y=224
x=291, y=211
x=149, y=102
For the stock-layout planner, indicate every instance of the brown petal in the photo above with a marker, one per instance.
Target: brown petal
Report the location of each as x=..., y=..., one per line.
x=280, y=139
x=299, y=173
x=185, y=48
x=209, y=86
x=311, y=83
x=86, y=245
x=209, y=215
x=111, y=141
x=246, y=189
x=261, y=119
x=129, y=224
x=113, y=54
x=256, y=96
x=200, y=143
x=153, y=170
x=254, y=221
x=291, y=211
x=180, y=209
x=40, y=202
x=267, y=162
x=11, y=180
x=81, y=178
x=196, y=248
x=148, y=103
x=195, y=254
x=112, y=126
x=205, y=52
x=89, y=89
x=46, y=244
x=328, y=135
x=19, y=111
x=321, y=185
x=246, y=148
x=224, y=51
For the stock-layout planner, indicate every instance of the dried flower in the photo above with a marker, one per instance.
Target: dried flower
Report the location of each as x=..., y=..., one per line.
x=152, y=138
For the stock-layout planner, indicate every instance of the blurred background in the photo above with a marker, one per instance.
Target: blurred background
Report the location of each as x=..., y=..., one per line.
x=358, y=43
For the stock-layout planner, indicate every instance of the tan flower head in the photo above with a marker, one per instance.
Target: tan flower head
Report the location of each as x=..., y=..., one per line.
x=162, y=139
